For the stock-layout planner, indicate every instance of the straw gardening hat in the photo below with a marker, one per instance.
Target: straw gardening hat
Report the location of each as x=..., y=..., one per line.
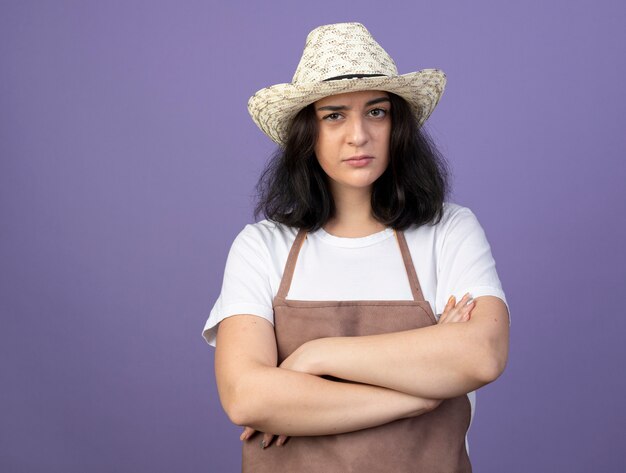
x=339, y=58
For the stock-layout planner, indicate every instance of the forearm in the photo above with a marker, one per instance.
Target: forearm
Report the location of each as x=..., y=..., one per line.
x=309, y=405
x=429, y=362
x=439, y=361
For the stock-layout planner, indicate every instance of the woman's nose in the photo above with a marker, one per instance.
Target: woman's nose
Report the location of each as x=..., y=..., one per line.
x=357, y=132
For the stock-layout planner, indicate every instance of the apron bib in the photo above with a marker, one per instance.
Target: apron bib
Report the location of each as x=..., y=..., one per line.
x=432, y=442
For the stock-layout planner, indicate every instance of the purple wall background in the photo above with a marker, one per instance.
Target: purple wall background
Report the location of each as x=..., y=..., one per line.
x=127, y=166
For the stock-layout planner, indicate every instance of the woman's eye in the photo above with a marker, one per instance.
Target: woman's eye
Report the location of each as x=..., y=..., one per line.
x=332, y=116
x=378, y=112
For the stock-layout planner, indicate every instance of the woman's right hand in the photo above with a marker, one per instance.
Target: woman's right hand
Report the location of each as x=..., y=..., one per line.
x=457, y=312
x=454, y=312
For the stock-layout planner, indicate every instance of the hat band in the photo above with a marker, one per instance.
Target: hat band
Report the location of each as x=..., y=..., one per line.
x=353, y=76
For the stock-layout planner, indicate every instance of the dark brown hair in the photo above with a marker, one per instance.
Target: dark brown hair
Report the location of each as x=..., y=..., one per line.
x=293, y=188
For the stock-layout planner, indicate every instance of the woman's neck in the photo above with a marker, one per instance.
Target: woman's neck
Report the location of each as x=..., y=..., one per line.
x=353, y=215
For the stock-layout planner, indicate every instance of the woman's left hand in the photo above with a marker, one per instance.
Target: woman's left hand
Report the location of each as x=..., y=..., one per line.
x=299, y=360
x=266, y=440
x=295, y=362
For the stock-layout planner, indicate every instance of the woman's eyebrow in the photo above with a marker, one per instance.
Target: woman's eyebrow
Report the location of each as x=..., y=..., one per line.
x=337, y=108
x=333, y=108
x=378, y=100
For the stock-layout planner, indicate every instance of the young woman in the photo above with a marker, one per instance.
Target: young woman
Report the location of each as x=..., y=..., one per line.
x=327, y=335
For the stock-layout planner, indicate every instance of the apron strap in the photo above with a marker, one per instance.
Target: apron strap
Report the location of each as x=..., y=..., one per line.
x=285, y=282
x=290, y=265
x=416, y=290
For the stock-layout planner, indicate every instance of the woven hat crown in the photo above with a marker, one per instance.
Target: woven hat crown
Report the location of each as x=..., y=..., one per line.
x=339, y=50
x=336, y=59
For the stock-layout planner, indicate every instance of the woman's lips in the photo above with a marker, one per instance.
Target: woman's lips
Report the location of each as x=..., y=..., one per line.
x=359, y=161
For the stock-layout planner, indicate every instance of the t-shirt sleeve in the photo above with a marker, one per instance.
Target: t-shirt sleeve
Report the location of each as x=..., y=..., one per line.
x=245, y=287
x=465, y=262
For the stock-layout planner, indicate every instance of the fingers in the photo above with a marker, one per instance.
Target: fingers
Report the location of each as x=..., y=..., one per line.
x=266, y=440
x=247, y=433
x=468, y=310
x=446, y=310
x=463, y=308
x=457, y=312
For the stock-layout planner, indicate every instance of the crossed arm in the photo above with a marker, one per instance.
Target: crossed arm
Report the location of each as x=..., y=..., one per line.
x=439, y=361
x=393, y=376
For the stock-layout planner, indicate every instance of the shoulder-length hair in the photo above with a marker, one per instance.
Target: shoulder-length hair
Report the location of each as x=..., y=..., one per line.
x=293, y=188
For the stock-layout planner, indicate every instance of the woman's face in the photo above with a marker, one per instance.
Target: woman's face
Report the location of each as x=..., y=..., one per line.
x=353, y=137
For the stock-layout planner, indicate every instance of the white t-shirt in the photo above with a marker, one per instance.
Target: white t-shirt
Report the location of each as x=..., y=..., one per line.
x=451, y=258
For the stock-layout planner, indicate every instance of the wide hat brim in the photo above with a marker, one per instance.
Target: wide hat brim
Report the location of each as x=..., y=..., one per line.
x=273, y=108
